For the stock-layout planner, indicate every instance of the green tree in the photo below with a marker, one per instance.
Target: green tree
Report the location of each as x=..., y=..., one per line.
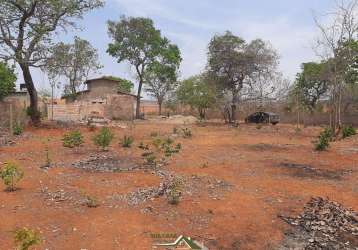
x=312, y=83
x=232, y=63
x=7, y=80
x=138, y=42
x=74, y=62
x=161, y=76
x=197, y=93
x=26, y=31
x=125, y=85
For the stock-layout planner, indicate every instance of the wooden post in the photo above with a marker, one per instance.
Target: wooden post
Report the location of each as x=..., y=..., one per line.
x=11, y=120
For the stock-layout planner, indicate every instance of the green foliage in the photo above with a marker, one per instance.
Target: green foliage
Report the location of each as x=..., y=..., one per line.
x=32, y=113
x=323, y=140
x=174, y=191
x=154, y=134
x=197, y=93
x=127, y=141
x=25, y=238
x=125, y=86
x=104, y=138
x=47, y=155
x=143, y=146
x=149, y=158
x=73, y=139
x=187, y=133
x=348, y=131
x=18, y=129
x=7, y=80
x=11, y=174
x=175, y=130
x=91, y=201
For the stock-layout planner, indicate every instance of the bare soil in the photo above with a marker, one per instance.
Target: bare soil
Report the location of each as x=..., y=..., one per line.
x=236, y=182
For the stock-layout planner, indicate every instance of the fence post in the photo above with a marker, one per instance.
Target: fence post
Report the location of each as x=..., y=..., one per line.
x=11, y=120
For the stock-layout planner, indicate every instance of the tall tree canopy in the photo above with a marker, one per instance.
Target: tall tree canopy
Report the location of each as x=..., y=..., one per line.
x=197, y=93
x=138, y=42
x=74, y=62
x=26, y=29
x=161, y=75
x=312, y=83
x=232, y=63
x=7, y=80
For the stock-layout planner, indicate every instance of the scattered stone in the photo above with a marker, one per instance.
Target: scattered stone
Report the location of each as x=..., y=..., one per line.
x=324, y=224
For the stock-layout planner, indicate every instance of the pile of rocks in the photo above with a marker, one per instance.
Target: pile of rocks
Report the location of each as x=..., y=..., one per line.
x=105, y=163
x=327, y=224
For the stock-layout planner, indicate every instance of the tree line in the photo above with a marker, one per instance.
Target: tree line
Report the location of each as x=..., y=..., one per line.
x=236, y=69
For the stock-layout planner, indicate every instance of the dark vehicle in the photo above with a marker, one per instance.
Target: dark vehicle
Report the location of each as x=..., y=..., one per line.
x=263, y=117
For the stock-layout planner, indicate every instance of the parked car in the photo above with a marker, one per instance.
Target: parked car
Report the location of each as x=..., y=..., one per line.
x=263, y=117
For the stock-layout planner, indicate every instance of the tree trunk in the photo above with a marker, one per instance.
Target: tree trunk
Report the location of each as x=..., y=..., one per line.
x=34, y=113
x=137, y=112
x=233, y=105
x=160, y=107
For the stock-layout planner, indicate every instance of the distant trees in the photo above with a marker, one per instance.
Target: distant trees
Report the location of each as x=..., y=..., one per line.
x=197, y=93
x=7, y=80
x=74, y=62
x=138, y=42
x=26, y=29
x=232, y=63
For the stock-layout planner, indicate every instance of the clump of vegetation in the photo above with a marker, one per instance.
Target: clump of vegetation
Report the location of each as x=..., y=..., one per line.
x=73, y=139
x=143, y=146
x=47, y=155
x=18, y=129
x=175, y=130
x=104, y=138
x=91, y=201
x=150, y=158
x=348, y=131
x=205, y=165
x=25, y=238
x=127, y=141
x=187, y=133
x=174, y=191
x=323, y=140
x=11, y=174
x=259, y=126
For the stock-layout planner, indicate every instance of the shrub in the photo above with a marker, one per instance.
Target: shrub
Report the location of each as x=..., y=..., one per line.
x=11, y=174
x=187, y=133
x=259, y=126
x=25, y=238
x=47, y=155
x=104, y=138
x=142, y=146
x=18, y=129
x=127, y=141
x=73, y=139
x=348, y=131
x=91, y=201
x=154, y=134
x=323, y=140
x=150, y=158
x=175, y=130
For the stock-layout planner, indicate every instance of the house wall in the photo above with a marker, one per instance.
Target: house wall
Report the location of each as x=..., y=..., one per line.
x=98, y=89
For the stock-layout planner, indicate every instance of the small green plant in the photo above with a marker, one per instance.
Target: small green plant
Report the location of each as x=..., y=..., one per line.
x=150, y=158
x=104, y=138
x=259, y=126
x=205, y=165
x=187, y=133
x=11, y=174
x=127, y=141
x=323, y=140
x=73, y=139
x=18, y=129
x=175, y=130
x=25, y=238
x=47, y=155
x=91, y=201
x=174, y=191
x=348, y=131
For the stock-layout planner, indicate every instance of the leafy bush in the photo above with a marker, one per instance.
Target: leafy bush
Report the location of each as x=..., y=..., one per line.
x=18, y=129
x=127, y=141
x=11, y=174
x=187, y=133
x=25, y=238
x=73, y=139
x=150, y=158
x=104, y=138
x=348, y=131
x=323, y=140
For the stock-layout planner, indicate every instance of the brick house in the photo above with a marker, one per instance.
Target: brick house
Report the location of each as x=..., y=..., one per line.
x=101, y=99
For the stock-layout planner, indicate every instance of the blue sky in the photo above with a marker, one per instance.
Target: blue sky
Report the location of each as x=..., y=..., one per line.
x=287, y=24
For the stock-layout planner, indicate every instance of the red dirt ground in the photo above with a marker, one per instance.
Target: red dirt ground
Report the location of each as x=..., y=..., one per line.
x=245, y=217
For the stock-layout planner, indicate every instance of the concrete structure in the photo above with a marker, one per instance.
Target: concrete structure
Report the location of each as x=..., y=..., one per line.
x=101, y=99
